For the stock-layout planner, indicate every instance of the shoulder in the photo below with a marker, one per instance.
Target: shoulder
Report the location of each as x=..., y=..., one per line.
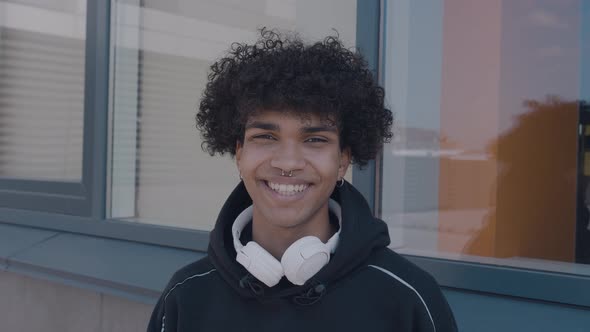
x=199, y=271
x=167, y=306
x=202, y=265
x=401, y=276
x=393, y=265
x=417, y=285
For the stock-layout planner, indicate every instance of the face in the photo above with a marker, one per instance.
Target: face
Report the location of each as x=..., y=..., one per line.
x=307, y=147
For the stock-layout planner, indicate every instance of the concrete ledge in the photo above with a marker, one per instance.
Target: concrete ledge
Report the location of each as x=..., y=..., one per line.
x=131, y=270
x=16, y=239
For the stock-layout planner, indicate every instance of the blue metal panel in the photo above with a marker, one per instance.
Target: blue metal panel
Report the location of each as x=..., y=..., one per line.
x=485, y=312
x=42, y=201
x=36, y=186
x=510, y=281
x=96, y=105
x=367, y=42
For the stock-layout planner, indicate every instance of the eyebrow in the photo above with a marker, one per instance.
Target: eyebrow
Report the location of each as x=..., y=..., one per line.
x=312, y=130
x=275, y=127
x=262, y=125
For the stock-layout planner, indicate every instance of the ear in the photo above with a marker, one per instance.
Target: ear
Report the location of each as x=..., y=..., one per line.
x=345, y=157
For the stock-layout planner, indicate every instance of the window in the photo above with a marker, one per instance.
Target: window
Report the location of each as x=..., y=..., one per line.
x=161, y=54
x=489, y=160
x=42, y=91
x=47, y=162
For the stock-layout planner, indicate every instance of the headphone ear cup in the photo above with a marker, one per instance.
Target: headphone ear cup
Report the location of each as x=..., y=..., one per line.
x=261, y=264
x=304, y=258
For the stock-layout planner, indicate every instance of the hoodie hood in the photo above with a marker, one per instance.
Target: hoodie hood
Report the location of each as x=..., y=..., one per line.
x=360, y=235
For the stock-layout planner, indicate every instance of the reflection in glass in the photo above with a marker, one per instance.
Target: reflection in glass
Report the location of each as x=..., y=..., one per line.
x=484, y=164
x=161, y=54
x=42, y=89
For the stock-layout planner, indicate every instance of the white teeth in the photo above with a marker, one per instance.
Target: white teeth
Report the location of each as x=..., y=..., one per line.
x=287, y=189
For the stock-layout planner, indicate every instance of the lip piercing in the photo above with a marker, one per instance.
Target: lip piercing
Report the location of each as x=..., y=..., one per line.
x=290, y=174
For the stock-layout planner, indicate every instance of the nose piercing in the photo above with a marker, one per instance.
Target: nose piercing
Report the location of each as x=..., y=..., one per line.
x=290, y=174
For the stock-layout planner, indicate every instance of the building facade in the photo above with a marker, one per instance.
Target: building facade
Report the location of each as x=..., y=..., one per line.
x=105, y=192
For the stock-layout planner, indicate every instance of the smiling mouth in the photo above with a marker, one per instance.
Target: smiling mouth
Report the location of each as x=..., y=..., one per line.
x=287, y=189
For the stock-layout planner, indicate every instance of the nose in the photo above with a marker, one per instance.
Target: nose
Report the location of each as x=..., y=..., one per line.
x=288, y=157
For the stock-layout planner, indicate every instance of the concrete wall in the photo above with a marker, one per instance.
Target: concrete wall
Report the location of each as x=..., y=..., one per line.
x=30, y=305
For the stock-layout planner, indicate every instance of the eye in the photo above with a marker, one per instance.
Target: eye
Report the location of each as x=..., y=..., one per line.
x=316, y=140
x=264, y=137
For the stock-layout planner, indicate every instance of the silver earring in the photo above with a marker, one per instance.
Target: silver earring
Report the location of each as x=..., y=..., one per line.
x=340, y=183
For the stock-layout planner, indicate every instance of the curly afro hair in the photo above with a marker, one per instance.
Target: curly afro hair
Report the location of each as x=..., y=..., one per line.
x=280, y=72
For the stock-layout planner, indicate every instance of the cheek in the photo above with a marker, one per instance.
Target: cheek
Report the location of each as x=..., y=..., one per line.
x=326, y=162
x=251, y=158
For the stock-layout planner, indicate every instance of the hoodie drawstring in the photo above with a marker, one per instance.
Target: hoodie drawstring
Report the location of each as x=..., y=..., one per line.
x=250, y=282
x=313, y=295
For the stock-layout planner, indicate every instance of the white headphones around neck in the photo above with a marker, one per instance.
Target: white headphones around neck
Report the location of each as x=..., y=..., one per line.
x=301, y=261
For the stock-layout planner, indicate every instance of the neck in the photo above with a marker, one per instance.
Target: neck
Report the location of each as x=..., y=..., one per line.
x=276, y=239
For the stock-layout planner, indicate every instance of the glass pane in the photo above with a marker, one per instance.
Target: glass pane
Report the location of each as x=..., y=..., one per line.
x=484, y=164
x=162, y=51
x=42, y=89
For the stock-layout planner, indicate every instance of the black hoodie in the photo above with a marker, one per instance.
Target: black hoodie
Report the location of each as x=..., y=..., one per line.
x=365, y=286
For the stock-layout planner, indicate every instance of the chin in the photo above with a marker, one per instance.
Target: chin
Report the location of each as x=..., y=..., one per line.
x=284, y=221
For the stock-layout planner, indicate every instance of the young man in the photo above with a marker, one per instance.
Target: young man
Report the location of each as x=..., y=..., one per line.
x=295, y=247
